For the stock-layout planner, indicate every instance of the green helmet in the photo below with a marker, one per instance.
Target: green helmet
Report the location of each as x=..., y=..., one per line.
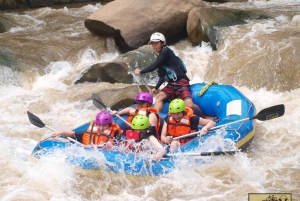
x=177, y=105
x=140, y=122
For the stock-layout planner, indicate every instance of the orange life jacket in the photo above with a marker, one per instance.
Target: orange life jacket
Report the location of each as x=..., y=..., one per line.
x=146, y=112
x=182, y=127
x=91, y=135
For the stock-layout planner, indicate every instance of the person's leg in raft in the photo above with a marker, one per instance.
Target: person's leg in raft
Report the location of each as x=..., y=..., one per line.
x=189, y=103
x=159, y=101
x=184, y=92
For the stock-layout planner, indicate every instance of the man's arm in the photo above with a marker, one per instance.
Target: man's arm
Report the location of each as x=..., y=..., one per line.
x=153, y=119
x=207, y=125
x=64, y=133
x=122, y=112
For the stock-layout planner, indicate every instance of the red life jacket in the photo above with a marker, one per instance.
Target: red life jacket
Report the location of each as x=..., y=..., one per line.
x=91, y=135
x=182, y=127
x=146, y=112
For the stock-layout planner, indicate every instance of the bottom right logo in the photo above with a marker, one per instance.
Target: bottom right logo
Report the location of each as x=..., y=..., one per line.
x=269, y=197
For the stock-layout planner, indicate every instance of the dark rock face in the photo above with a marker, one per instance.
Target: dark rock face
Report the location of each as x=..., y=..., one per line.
x=13, y=4
x=21, y=4
x=2, y=28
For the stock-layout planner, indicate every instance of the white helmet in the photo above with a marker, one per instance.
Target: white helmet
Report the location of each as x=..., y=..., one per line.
x=155, y=37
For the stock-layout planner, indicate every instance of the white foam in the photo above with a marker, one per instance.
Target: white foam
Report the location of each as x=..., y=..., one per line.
x=8, y=76
x=55, y=72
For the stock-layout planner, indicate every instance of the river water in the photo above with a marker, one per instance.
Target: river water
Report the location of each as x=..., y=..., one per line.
x=46, y=49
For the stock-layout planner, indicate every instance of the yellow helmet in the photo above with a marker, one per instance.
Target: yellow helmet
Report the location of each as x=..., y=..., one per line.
x=177, y=105
x=140, y=122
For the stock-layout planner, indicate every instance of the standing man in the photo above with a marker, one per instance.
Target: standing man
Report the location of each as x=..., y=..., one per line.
x=172, y=70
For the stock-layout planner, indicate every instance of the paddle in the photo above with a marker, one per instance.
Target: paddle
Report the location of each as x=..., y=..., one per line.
x=146, y=84
x=264, y=115
x=215, y=153
x=99, y=104
x=153, y=94
x=38, y=123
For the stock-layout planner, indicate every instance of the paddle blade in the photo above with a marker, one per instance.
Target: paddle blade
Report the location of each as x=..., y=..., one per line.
x=97, y=101
x=270, y=113
x=35, y=120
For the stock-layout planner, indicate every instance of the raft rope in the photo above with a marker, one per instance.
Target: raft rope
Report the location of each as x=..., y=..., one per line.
x=204, y=89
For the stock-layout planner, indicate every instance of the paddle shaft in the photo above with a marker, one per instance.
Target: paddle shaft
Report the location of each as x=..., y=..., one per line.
x=214, y=153
x=97, y=102
x=71, y=139
x=211, y=129
x=184, y=136
x=264, y=115
x=150, y=91
x=66, y=137
x=126, y=122
x=145, y=84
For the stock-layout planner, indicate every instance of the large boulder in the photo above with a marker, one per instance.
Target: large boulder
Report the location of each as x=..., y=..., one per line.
x=131, y=22
x=2, y=28
x=120, y=97
x=106, y=72
x=139, y=58
x=124, y=64
x=202, y=22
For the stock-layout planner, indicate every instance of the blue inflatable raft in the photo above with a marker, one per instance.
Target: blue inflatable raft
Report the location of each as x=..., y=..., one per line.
x=236, y=127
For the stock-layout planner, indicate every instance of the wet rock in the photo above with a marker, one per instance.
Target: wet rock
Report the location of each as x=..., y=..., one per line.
x=122, y=103
x=139, y=58
x=120, y=97
x=13, y=4
x=131, y=22
x=42, y=3
x=124, y=64
x=2, y=28
x=106, y=72
x=202, y=23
